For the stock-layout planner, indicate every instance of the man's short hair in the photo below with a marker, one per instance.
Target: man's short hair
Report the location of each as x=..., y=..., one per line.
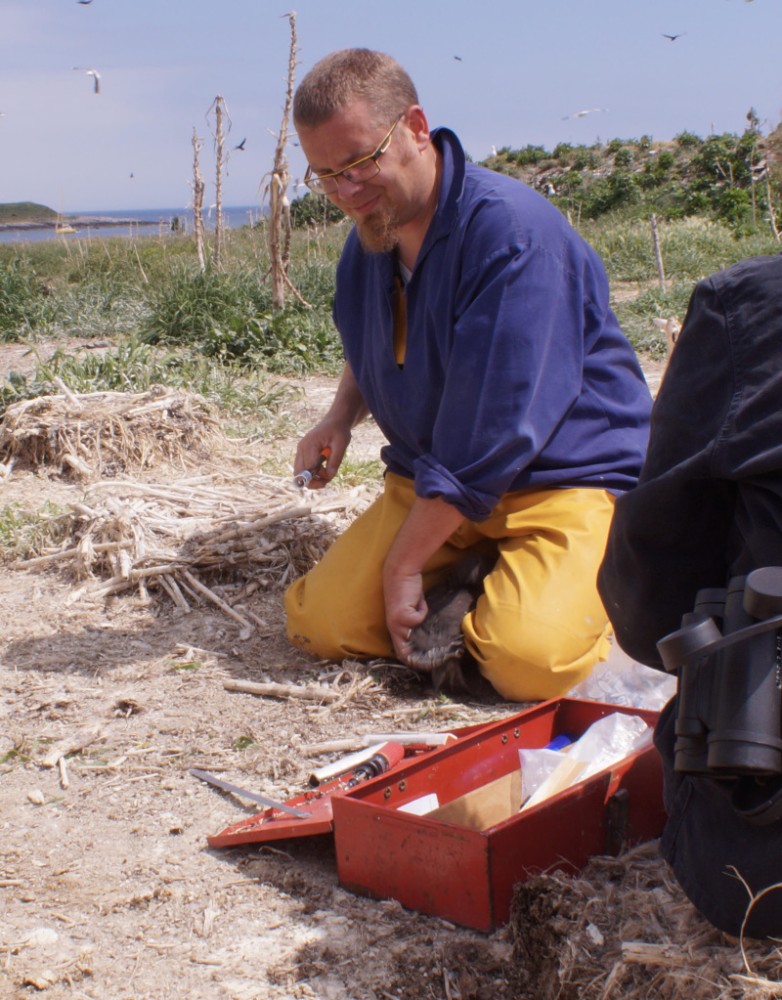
x=349, y=75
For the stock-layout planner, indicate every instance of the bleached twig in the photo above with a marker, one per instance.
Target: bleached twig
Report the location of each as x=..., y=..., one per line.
x=270, y=689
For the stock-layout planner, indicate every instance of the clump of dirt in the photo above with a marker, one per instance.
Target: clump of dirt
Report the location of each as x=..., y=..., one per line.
x=622, y=927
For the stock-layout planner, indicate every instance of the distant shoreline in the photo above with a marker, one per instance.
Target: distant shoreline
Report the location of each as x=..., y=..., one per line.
x=27, y=222
x=28, y=219
x=85, y=221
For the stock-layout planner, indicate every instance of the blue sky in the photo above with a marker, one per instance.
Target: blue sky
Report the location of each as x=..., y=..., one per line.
x=525, y=67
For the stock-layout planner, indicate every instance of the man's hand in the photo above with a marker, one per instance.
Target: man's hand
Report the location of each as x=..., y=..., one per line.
x=405, y=608
x=427, y=526
x=332, y=435
x=330, y=452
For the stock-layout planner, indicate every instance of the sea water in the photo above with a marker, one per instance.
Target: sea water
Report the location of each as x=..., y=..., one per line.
x=136, y=223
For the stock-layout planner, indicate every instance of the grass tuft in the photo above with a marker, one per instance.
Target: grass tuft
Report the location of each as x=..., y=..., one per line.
x=24, y=533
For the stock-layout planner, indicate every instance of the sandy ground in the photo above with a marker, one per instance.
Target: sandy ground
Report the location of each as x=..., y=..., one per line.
x=109, y=890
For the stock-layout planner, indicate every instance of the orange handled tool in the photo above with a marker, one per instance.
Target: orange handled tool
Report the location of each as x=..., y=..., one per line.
x=301, y=479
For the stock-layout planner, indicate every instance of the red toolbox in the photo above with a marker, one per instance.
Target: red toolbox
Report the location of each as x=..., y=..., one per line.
x=449, y=862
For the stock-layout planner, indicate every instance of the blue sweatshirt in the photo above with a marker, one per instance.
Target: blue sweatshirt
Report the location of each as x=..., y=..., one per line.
x=516, y=373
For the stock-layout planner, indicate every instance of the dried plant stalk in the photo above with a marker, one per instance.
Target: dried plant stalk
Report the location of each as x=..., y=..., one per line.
x=271, y=689
x=279, y=205
x=241, y=533
x=219, y=106
x=771, y=216
x=97, y=432
x=658, y=254
x=198, y=203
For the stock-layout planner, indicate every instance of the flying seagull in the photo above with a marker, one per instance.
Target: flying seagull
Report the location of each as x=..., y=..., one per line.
x=241, y=145
x=84, y=2
x=458, y=58
x=95, y=77
x=582, y=114
x=672, y=38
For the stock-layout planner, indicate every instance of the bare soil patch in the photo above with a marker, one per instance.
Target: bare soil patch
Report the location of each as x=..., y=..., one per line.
x=23, y=359
x=109, y=890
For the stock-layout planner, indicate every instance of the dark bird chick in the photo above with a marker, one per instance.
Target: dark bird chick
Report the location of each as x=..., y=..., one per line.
x=438, y=643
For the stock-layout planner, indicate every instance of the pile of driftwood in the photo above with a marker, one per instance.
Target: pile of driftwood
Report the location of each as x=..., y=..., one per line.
x=189, y=538
x=107, y=433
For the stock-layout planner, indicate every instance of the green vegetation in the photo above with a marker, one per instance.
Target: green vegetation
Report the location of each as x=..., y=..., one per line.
x=311, y=210
x=18, y=212
x=715, y=201
x=691, y=247
x=25, y=305
x=723, y=177
x=244, y=743
x=229, y=316
x=253, y=404
x=635, y=315
x=24, y=533
x=186, y=665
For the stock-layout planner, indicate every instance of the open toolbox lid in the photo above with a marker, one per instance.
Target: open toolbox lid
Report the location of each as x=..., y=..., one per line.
x=538, y=725
x=274, y=824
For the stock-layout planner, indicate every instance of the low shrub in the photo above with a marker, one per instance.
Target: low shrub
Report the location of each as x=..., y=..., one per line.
x=26, y=302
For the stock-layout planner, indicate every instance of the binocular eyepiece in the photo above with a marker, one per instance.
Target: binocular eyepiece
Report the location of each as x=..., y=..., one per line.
x=728, y=655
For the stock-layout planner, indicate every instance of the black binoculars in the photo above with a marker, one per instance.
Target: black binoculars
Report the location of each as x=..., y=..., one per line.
x=728, y=655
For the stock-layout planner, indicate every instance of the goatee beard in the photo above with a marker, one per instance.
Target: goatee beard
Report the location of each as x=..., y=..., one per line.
x=379, y=232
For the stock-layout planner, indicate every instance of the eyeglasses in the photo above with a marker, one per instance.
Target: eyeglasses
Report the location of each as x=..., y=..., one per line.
x=357, y=172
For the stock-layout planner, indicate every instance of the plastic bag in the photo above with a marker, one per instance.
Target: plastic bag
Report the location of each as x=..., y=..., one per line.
x=544, y=772
x=622, y=681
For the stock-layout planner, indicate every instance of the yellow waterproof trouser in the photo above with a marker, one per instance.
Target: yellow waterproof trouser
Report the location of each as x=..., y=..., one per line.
x=539, y=626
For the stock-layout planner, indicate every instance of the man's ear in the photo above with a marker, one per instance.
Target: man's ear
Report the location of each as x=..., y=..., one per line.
x=415, y=119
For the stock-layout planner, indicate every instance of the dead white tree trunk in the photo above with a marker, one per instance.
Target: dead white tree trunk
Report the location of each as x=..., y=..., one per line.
x=219, y=109
x=772, y=217
x=658, y=256
x=279, y=206
x=198, y=203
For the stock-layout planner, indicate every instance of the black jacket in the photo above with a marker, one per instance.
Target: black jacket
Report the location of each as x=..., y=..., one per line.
x=708, y=506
